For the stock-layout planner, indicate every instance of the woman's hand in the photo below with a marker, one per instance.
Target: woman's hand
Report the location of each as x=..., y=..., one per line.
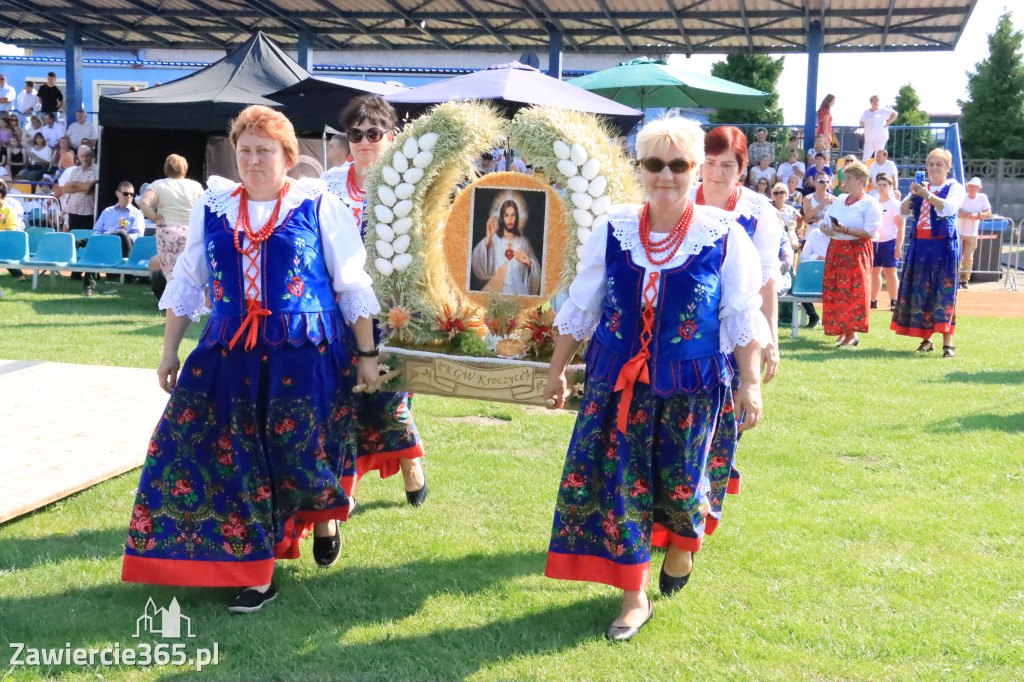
x=367, y=373
x=770, y=361
x=167, y=372
x=748, y=404
x=555, y=392
x=919, y=190
x=827, y=230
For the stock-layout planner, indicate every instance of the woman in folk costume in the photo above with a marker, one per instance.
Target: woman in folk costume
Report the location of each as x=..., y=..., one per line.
x=255, y=444
x=388, y=439
x=927, y=299
x=666, y=290
x=725, y=157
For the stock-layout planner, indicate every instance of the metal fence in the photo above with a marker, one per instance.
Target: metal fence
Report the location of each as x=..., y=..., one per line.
x=38, y=210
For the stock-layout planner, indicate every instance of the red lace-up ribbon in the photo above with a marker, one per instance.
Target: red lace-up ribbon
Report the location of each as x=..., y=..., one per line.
x=635, y=368
x=253, y=312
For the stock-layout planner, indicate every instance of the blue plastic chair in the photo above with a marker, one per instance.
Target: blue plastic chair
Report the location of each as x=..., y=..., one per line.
x=34, y=235
x=809, y=276
x=13, y=247
x=81, y=234
x=56, y=250
x=102, y=251
x=143, y=249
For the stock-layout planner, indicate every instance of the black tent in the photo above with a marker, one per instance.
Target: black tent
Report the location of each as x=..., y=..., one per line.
x=190, y=116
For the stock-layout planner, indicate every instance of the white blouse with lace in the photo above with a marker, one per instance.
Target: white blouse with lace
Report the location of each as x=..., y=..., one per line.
x=343, y=251
x=739, y=309
x=768, y=233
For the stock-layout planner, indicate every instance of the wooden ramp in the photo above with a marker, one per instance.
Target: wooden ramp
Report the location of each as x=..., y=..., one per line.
x=66, y=427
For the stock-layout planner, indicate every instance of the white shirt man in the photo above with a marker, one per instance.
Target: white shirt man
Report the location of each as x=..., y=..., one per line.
x=52, y=130
x=7, y=95
x=81, y=129
x=815, y=247
x=976, y=207
x=882, y=164
x=791, y=167
x=26, y=101
x=875, y=122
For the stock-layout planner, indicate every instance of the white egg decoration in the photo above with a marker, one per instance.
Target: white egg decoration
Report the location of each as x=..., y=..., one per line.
x=577, y=183
x=401, y=244
x=601, y=204
x=383, y=213
x=385, y=232
x=423, y=159
x=427, y=141
x=579, y=266
x=405, y=190
x=597, y=186
x=386, y=195
x=402, y=261
x=602, y=219
x=402, y=225
x=583, y=218
x=583, y=233
x=383, y=266
x=403, y=208
x=384, y=249
x=412, y=176
x=410, y=148
x=400, y=161
x=590, y=169
x=390, y=175
x=562, y=150
x=567, y=168
x=579, y=254
x=578, y=154
x=582, y=200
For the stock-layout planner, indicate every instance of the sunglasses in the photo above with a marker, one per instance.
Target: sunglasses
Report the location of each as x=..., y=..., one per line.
x=372, y=134
x=127, y=194
x=780, y=193
x=677, y=166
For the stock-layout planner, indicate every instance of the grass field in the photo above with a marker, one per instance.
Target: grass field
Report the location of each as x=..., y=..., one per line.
x=879, y=536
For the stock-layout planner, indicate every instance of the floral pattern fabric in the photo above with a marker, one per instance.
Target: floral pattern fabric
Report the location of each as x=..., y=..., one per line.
x=385, y=432
x=846, y=290
x=654, y=484
x=926, y=303
x=170, y=242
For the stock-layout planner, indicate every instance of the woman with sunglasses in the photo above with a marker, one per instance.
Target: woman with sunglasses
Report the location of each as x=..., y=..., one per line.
x=388, y=438
x=664, y=292
x=256, y=441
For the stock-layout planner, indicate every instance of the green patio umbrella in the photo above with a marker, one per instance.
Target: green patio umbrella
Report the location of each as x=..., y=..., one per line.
x=647, y=83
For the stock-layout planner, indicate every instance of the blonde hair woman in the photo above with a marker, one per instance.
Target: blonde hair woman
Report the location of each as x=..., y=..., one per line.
x=168, y=202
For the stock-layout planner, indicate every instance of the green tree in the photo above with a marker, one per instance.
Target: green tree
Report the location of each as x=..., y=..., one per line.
x=910, y=146
x=908, y=106
x=758, y=71
x=992, y=124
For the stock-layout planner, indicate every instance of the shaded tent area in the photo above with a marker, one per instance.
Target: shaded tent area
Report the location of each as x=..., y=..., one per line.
x=190, y=116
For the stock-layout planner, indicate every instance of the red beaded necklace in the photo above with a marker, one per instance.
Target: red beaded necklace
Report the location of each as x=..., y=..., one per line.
x=854, y=201
x=354, y=192
x=730, y=205
x=255, y=238
x=670, y=244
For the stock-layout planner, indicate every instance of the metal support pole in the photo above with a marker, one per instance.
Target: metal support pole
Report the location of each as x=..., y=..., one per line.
x=306, y=50
x=73, y=100
x=554, y=52
x=815, y=42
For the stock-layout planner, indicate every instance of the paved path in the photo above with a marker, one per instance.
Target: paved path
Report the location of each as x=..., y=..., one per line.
x=66, y=427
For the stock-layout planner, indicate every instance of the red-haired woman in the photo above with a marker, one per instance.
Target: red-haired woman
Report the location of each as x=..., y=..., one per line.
x=255, y=443
x=825, y=119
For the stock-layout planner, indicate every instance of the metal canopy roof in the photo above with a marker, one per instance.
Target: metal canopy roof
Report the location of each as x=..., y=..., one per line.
x=588, y=26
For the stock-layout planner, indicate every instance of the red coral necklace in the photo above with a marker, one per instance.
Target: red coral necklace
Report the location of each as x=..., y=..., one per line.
x=730, y=205
x=260, y=236
x=667, y=247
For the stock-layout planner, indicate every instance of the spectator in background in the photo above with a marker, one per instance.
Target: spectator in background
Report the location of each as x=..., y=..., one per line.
x=791, y=220
x=796, y=197
x=337, y=151
x=517, y=164
x=7, y=95
x=975, y=207
x=763, y=188
x=882, y=164
x=81, y=189
x=888, y=245
x=9, y=220
x=63, y=145
x=82, y=131
x=51, y=99
x=39, y=155
x=52, y=130
x=825, y=119
x=817, y=203
x=820, y=145
x=761, y=147
x=762, y=171
x=123, y=220
x=35, y=125
x=875, y=122
x=791, y=167
x=820, y=167
x=27, y=100
x=15, y=156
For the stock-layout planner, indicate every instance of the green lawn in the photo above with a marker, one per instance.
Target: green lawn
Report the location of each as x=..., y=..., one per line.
x=878, y=536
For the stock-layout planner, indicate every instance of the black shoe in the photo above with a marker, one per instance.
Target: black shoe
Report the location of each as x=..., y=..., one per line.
x=418, y=497
x=812, y=322
x=963, y=285
x=669, y=585
x=874, y=305
x=925, y=347
x=327, y=549
x=252, y=600
x=80, y=243
x=623, y=633
x=948, y=351
x=88, y=291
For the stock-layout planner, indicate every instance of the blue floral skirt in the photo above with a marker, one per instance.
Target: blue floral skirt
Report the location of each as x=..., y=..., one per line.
x=385, y=434
x=927, y=298
x=252, y=449
x=620, y=494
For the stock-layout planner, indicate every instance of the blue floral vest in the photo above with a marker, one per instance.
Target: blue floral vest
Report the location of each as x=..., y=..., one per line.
x=296, y=287
x=684, y=349
x=942, y=227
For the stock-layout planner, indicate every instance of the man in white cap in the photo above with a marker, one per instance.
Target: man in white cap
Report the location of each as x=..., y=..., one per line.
x=975, y=207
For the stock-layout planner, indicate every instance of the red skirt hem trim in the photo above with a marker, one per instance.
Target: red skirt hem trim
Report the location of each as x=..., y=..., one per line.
x=185, y=573
x=662, y=537
x=386, y=463
x=733, y=486
x=942, y=328
x=595, y=569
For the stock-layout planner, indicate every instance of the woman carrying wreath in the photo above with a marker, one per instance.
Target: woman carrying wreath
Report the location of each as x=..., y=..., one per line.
x=665, y=291
x=927, y=297
x=388, y=439
x=254, y=446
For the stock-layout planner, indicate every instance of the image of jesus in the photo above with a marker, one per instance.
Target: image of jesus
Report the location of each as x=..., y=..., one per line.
x=504, y=259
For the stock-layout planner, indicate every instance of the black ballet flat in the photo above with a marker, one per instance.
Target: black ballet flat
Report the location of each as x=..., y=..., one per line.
x=623, y=633
x=327, y=549
x=669, y=585
x=948, y=351
x=418, y=497
x=926, y=347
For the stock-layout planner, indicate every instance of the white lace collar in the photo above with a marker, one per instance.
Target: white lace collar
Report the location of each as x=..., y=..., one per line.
x=220, y=201
x=750, y=202
x=709, y=226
